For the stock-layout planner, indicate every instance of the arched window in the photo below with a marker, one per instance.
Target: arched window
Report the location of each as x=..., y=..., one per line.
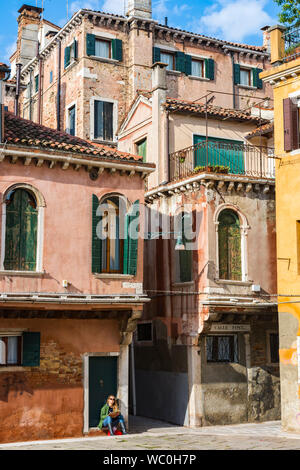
x=229, y=239
x=21, y=229
x=115, y=240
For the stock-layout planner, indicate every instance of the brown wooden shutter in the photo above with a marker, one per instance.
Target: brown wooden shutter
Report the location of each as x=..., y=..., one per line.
x=291, y=124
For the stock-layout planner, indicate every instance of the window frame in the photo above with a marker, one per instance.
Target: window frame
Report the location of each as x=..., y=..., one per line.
x=248, y=70
x=235, y=350
x=114, y=119
x=68, y=109
x=173, y=56
x=5, y=337
x=108, y=269
x=40, y=201
x=194, y=59
x=107, y=41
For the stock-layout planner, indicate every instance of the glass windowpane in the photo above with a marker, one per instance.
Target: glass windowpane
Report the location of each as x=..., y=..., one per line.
x=102, y=48
x=244, y=77
x=197, y=68
x=12, y=350
x=167, y=59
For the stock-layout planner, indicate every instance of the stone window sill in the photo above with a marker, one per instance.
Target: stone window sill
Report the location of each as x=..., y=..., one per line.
x=234, y=283
x=122, y=277
x=194, y=77
x=248, y=87
x=104, y=59
x=22, y=273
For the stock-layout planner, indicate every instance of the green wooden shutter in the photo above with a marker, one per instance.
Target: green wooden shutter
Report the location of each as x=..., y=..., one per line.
x=96, y=241
x=36, y=83
x=31, y=349
x=236, y=74
x=21, y=232
x=180, y=61
x=142, y=149
x=117, y=49
x=131, y=240
x=210, y=69
x=75, y=46
x=90, y=44
x=67, y=56
x=257, y=82
x=156, y=54
x=188, y=64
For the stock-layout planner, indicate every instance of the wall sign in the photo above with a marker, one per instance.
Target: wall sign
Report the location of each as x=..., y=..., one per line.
x=220, y=327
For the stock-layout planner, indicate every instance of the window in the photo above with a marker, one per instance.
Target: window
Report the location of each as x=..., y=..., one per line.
x=103, y=120
x=186, y=255
x=70, y=54
x=274, y=347
x=291, y=125
x=141, y=149
x=20, y=231
x=103, y=48
x=222, y=348
x=72, y=120
x=51, y=77
x=245, y=77
x=36, y=83
x=168, y=59
x=20, y=349
x=10, y=350
x=144, y=331
x=115, y=236
x=229, y=240
x=198, y=68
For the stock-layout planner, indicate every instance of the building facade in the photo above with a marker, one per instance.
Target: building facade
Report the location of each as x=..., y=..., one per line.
x=70, y=298
x=208, y=342
x=285, y=79
x=86, y=74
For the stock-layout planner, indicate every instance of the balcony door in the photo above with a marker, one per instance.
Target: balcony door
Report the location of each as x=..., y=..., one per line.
x=220, y=152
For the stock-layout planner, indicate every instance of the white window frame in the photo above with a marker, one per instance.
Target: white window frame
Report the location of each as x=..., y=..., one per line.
x=74, y=103
x=92, y=118
x=244, y=228
x=40, y=231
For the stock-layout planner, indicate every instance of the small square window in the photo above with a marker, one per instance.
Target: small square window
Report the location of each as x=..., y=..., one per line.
x=103, y=48
x=144, y=332
x=222, y=348
x=168, y=59
x=198, y=68
x=245, y=77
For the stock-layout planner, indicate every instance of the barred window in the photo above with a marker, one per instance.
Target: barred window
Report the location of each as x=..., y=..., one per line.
x=222, y=348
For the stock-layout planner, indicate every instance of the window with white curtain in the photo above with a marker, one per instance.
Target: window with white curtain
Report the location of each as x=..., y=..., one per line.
x=103, y=48
x=10, y=350
x=198, y=68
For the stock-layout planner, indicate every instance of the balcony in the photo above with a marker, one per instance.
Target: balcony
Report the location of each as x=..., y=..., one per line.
x=222, y=158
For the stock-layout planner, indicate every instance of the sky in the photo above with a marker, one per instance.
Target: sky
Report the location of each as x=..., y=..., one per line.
x=231, y=20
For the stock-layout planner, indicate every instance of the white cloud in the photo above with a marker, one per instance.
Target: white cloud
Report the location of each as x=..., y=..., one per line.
x=115, y=6
x=233, y=20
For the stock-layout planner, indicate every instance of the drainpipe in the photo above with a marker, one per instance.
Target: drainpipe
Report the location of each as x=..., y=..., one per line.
x=133, y=378
x=30, y=94
x=4, y=75
x=233, y=86
x=18, y=80
x=40, y=90
x=58, y=86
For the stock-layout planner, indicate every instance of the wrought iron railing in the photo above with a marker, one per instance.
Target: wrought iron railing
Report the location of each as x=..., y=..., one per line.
x=222, y=158
x=291, y=39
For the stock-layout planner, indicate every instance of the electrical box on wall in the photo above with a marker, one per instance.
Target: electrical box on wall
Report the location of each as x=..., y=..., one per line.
x=255, y=288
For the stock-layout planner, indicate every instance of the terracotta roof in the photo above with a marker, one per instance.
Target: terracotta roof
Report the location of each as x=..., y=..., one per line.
x=261, y=130
x=179, y=106
x=19, y=131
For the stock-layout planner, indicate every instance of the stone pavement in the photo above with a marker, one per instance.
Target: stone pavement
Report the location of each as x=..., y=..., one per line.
x=148, y=434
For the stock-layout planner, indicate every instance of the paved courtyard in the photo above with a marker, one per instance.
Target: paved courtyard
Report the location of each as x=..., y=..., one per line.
x=148, y=434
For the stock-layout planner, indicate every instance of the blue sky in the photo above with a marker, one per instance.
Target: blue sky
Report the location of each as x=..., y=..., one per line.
x=232, y=20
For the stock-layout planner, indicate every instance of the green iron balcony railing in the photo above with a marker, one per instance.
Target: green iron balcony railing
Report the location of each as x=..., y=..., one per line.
x=222, y=158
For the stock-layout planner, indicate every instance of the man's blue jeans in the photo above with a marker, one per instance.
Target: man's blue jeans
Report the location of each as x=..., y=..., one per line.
x=110, y=423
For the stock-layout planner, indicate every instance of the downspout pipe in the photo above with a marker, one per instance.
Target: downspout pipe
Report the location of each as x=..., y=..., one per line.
x=233, y=86
x=18, y=84
x=58, y=86
x=4, y=75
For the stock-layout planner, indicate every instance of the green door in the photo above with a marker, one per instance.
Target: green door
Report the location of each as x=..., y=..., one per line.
x=102, y=383
x=221, y=152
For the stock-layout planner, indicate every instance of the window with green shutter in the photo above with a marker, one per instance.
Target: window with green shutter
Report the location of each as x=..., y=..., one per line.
x=188, y=64
x=229, y=235
x=36, y=83
x=67, y=59
x=90, y=44
x=31, y=349
x=117, y=49
x=180, y=61
x=21, y=231
x=186, y=255
x=257, y=82
x=131, y=239
x=236, y=74
x=141, y=149
x=156, y=54
x=96, y=233
x=210, y=69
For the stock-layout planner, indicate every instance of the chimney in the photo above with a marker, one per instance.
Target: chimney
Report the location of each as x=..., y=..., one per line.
x=139, y=8
x=4, y=75
x=159, y=124
x=266, y=38
x=28, y=27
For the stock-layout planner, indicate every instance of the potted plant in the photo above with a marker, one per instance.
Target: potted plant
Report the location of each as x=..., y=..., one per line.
x=182, y=157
